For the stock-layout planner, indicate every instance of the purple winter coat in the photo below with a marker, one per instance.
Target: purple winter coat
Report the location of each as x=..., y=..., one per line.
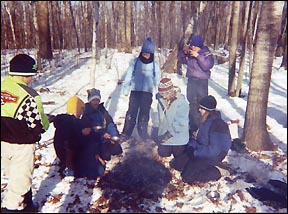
x=199, y=67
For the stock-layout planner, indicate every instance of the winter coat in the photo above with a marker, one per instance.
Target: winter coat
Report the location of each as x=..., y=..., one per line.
x=75, y=150
x=213, y=139
x=174, y=119
x=100, y=117
x=22, y=114
x=145, y=77
x=198, y=68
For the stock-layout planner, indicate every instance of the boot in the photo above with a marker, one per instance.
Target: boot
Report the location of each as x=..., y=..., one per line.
x=30, y=206
x=142, y=130
x=128, y=127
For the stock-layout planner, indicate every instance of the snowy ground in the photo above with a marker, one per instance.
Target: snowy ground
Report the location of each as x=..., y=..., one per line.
x=139, y=180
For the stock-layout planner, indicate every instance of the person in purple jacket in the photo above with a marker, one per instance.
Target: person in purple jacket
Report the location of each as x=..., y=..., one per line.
x=199, y=61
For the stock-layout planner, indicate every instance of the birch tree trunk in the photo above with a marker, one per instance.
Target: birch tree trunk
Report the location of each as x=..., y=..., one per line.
x=255, y=132
x=94, y=43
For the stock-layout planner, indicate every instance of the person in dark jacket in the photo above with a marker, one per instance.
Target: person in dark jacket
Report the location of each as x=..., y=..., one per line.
x=105, y=130
x=209, y=146
x=22, y=122
x=199, y=61
x=74, y=144
x=142, y=78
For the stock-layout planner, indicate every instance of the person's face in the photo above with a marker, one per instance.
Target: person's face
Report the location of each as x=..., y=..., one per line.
x=95, y=103
x=27, y=79
x=146, y=55
x=203, y=113
x=195, y=48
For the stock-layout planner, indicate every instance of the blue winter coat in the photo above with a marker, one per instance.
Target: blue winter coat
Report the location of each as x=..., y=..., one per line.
x=199, y=67
x=175, y=120
x=100, y=117
x=142, y=78
x=213, y=139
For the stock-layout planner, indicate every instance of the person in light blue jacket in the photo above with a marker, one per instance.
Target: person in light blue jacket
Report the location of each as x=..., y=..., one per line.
x=173, y=114
x=142, y=79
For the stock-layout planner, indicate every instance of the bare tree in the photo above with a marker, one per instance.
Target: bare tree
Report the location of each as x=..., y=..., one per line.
x=128, y=19
x=233, y=48
x=45, y=48
x=94, y=43
x=247, y=12
x=11, y=24
x=74, y=25
x=255, y=132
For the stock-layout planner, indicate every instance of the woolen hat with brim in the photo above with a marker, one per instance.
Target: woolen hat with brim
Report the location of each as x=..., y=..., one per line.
x=166, y=88
x=22, y=65
x=93, y=94
x=208, y=103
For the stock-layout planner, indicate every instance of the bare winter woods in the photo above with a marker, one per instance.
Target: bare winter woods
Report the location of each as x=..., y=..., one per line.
x=257, y=28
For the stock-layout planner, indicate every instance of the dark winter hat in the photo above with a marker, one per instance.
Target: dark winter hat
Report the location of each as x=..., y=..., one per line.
x=148, y=46
x=197, y=41
x=208, y=103
x=23, y=65
x=166, y=88
x=93, y=94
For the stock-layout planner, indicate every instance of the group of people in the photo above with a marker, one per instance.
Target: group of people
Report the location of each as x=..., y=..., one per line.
x=190, y=128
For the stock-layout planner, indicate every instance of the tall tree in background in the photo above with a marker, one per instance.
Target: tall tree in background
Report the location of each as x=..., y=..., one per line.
x=45, y=47
x=95, y=56
x=255, y=132
x=233, y=48
x=242, y=66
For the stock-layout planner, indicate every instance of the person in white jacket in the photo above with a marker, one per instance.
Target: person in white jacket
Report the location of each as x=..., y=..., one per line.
x=173, y=113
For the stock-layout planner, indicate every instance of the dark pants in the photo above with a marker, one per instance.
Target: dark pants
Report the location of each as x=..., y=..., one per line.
x=196, y=90
x=139, y=106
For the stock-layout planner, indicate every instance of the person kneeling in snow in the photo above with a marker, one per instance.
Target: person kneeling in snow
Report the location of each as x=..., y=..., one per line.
x=209, y=146
x=105, y=130
x=173, y=112
x=74, y=144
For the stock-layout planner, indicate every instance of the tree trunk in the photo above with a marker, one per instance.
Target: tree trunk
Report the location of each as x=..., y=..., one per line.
x=74, y=26
x=45, y=48
x=233, y=48
x=242, y=66
x=255, y=132
x=94, y=43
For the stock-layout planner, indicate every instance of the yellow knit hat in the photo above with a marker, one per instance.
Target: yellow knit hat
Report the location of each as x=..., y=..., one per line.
x=75, y=105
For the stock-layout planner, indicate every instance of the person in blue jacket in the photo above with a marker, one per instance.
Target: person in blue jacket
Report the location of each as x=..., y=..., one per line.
x=142, y=78
x=105, y=130
x=209, y=146
x=74, y=144
x=173, y=114
x=199, y=61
